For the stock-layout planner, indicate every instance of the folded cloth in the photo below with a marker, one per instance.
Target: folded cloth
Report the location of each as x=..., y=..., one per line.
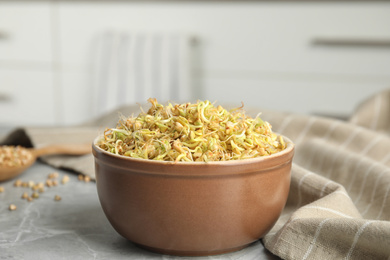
x=339, y=201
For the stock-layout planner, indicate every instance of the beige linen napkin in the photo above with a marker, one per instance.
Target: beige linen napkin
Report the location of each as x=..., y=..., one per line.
x=339, y=201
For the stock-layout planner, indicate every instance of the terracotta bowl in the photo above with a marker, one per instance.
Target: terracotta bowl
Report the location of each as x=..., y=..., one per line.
x=195, y=208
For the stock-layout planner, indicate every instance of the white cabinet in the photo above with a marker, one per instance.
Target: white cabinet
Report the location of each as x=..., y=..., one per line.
x=258, y=52
x=76, y=97
x=244, y=36
x=31, y=98
x=305, y=95
x=25, y=29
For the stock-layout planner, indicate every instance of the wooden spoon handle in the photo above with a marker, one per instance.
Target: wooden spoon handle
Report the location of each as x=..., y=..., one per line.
x=70, y=149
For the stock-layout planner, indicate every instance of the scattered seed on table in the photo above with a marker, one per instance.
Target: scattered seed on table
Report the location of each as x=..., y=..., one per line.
x=24, y=195
x=18, y=183
x=39, y=187
x=87, y=179
x=49, y=183
x=65, y=179
x=53, y=175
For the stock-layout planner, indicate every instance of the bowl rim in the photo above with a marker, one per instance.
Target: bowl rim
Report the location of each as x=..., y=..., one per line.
x=289, y=149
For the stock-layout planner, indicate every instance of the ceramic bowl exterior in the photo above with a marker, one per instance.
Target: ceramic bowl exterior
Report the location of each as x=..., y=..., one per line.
x=193, y=208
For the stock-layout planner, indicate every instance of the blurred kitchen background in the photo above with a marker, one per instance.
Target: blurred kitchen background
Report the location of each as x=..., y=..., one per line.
x=65, y=62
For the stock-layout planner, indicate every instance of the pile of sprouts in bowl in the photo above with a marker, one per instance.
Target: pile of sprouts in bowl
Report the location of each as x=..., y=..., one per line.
x=199, y=132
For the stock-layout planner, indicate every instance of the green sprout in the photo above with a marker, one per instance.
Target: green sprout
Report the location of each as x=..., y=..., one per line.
x=188, y=132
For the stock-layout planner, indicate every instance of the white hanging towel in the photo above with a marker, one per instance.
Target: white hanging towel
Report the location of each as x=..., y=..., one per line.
x=129, y=68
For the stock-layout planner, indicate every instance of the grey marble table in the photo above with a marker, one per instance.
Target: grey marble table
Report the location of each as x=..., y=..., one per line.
x=74, y=227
